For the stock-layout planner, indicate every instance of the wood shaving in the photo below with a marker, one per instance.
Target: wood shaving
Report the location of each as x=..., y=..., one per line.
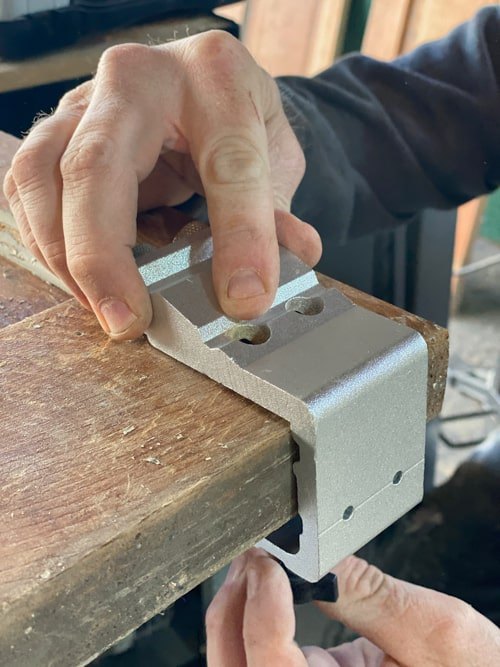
x=153, y=460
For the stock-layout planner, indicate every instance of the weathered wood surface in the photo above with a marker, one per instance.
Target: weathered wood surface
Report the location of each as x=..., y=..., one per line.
x=125, y=477
x=81, y=59
x=23, y=294
x=125, y=480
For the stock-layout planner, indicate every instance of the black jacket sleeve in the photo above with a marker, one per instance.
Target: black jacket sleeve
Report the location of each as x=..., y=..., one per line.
x=385, y=140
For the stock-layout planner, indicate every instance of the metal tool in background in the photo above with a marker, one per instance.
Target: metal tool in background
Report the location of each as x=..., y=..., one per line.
x=481, y=385
x=351, y=383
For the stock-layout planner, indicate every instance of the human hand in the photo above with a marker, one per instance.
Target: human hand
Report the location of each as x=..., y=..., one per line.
x=156, y=125
x=251, y=622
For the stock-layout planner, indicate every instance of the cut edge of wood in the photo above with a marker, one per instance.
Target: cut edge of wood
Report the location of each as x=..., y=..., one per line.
x=12, y=248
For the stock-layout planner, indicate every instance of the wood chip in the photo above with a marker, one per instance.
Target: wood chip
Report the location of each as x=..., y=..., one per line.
x=153, y=460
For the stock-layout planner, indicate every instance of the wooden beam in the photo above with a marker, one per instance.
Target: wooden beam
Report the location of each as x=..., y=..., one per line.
x=295, y=36
x=119, y=493
x=385, y=28
x=23, y=294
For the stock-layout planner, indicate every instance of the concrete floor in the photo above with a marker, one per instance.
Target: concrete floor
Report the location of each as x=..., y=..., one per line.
x=474, y=338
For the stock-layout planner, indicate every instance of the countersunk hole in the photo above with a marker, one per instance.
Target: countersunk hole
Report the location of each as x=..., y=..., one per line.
x=305, y=305
x=251, y=334
x=397, y=477
x=348, y=512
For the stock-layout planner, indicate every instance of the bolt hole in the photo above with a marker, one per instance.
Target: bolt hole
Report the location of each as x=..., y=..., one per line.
x=250, y=334
x=397, y=477
x=305, y=305
x=348, y=512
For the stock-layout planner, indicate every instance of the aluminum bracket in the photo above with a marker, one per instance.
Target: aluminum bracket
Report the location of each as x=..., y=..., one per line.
x=352, y=385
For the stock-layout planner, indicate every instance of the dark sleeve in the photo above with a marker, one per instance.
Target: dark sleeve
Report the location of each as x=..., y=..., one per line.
x=386, y=140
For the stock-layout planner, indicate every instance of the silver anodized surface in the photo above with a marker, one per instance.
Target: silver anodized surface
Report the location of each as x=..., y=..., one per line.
x=351, y=383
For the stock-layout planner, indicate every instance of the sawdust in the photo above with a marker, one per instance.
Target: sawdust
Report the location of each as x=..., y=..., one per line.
x=153, y=460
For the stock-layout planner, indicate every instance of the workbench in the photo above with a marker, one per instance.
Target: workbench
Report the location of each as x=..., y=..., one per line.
x=126, y=478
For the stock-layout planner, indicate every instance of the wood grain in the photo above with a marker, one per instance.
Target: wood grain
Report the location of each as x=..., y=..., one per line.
x=23, y=294
x=295, y=36
x=385, y=28
x=109, y=477
x=81, y=60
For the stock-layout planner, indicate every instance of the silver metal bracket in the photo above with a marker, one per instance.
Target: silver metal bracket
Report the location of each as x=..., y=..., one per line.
x=351, y=383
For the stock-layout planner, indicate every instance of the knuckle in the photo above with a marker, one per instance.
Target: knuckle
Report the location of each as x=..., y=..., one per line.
x=120, y=58
x=215, y=45
x=80, y=267
x=218, y=57
x=55, y=255
x=213, y=617
x=27, y=165
x=76, y=99
x=235, y=161
x=87, y=156
x=84, y=264
x=9, y=185
x=451, y=632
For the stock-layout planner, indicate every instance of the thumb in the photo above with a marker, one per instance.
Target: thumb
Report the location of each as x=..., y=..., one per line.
x=413, y=625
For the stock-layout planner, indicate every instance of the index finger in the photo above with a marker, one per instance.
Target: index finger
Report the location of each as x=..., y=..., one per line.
x=114, y=147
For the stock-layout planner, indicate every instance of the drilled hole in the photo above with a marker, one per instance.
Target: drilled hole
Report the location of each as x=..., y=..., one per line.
x=348, y=512
x=305, y=305
x=397, y=477
x=251, y=334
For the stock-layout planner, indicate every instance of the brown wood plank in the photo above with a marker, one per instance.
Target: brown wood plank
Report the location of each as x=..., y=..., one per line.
x=23, y=294
x=385, y=28
x=81, y=60
x=109, y=479
x=293, y=36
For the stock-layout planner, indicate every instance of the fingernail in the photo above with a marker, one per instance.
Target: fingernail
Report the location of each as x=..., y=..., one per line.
x=252, y=583
x=245, y=283
x=117, y=315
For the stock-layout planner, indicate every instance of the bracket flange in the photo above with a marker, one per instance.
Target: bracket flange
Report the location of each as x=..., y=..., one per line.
x=352, y=384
